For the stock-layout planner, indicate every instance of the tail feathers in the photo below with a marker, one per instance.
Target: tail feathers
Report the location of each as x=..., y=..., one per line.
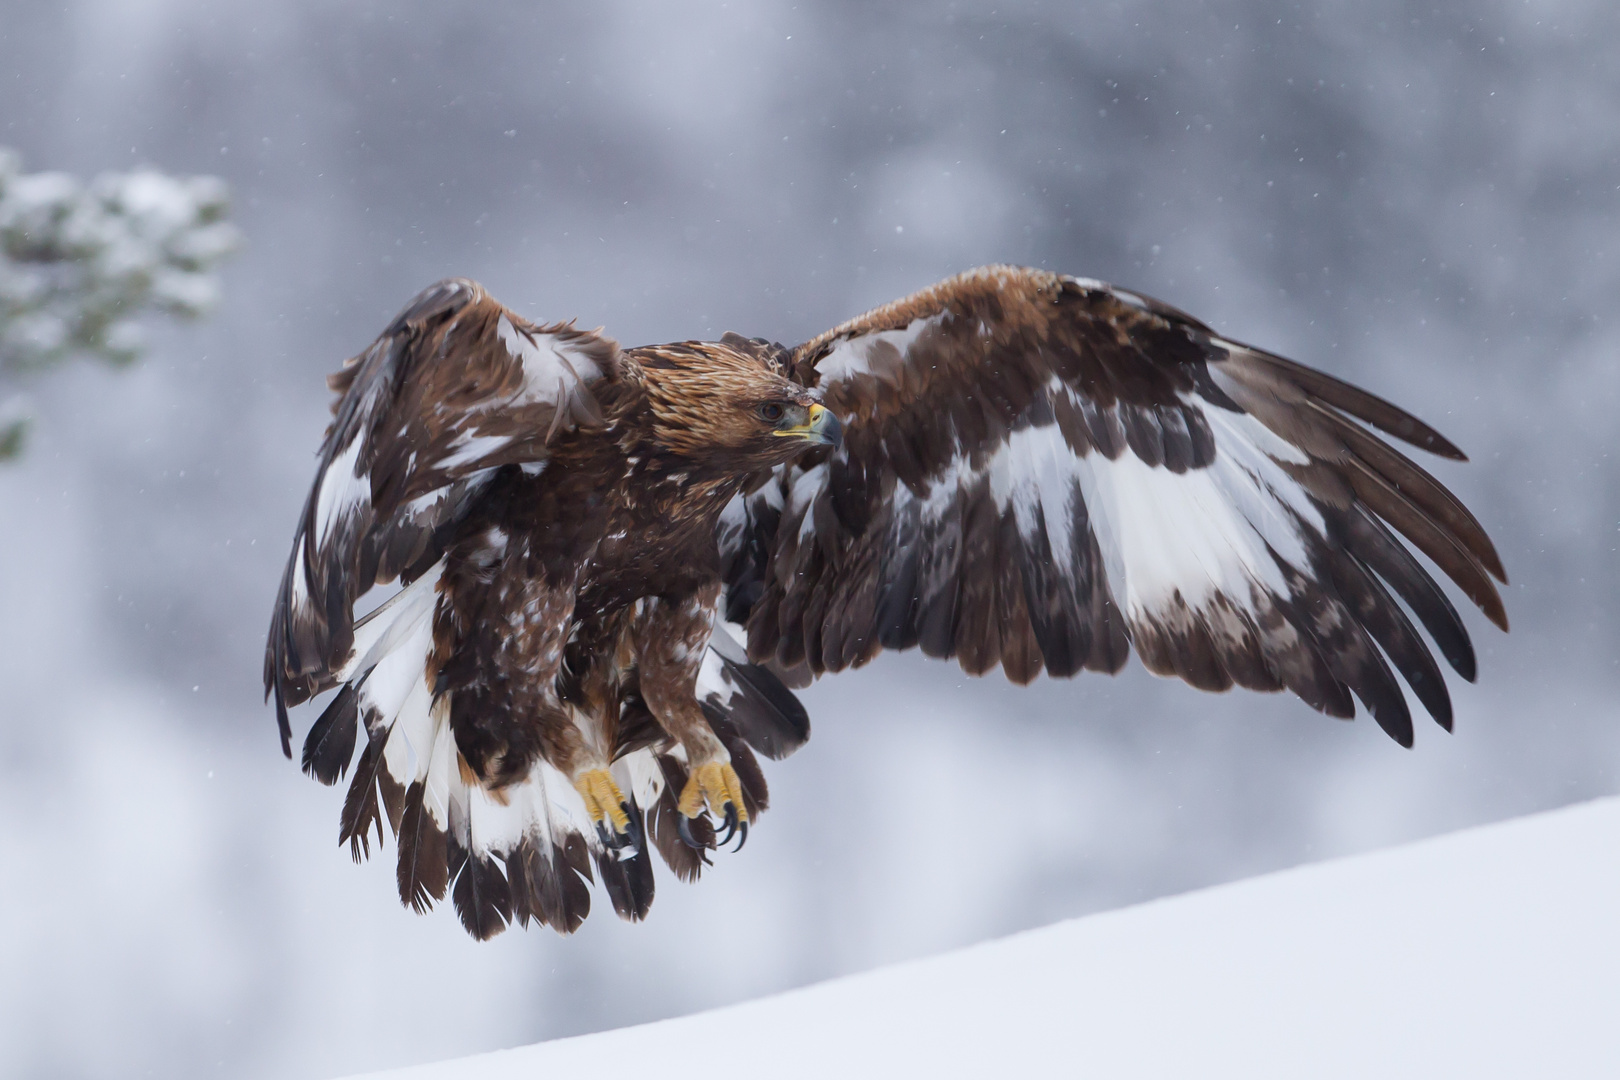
x=387, y=685
x=550, y=884
x=627, y=873
x=422, y=870
x=373, y=793
x=523, y=853
x=481, y=892
x=508, y=854
x=381, y=679
x=520, y=854
x=385, y=630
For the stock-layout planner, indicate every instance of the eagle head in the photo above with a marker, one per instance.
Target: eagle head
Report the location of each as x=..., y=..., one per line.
x=730, y=403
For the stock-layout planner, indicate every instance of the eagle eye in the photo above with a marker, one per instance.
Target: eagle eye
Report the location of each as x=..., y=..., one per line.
x=770, y=411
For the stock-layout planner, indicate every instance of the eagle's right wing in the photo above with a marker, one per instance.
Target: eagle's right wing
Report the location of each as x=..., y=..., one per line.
x=456, y=387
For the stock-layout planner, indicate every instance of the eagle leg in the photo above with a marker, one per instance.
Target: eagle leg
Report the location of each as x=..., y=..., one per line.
x=735, y=826
x=671, y=639
x=715, y=785
x=606, y=804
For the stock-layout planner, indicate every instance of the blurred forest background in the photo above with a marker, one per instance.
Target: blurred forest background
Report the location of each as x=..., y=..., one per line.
x=1423, y=198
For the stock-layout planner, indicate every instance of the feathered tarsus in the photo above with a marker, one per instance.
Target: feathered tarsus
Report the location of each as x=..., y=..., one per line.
x=614, y=562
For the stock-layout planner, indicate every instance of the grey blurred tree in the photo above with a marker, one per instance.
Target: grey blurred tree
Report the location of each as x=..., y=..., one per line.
x=82, y=264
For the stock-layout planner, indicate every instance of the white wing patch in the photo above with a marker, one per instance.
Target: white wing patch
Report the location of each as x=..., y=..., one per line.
x=469, y=448
x=300, y=581
x=1037, y=470
x=1166, y=539
x=1196, y=533
x=1164, y=535
x=807, y=486
x=880, y=354
x=342, y=491
x=550, y=369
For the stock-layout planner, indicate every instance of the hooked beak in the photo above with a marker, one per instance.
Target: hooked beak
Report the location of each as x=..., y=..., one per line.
x=821, y=425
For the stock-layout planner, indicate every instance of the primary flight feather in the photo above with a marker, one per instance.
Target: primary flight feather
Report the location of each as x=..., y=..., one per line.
x=1011, y=468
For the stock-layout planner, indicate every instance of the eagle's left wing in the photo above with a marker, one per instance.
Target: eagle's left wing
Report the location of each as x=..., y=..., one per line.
x=456, y=387
x=1043, y=471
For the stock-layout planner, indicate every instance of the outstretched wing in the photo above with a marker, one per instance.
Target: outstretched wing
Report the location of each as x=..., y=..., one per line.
x=1043, y=471
x=456, y=387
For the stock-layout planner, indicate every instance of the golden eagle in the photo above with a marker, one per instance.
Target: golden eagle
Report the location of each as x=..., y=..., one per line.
x=613, y=563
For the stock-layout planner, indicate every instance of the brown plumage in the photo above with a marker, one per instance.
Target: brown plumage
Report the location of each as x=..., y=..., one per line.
x=1011, y=468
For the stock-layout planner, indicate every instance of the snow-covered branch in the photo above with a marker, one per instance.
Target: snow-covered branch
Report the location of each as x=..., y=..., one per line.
x=80, y=264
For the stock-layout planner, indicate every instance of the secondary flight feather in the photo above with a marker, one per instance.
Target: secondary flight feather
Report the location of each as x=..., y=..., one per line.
x=613, y=563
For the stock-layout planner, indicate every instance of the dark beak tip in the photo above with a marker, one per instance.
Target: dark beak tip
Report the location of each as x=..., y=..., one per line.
x=830, y=429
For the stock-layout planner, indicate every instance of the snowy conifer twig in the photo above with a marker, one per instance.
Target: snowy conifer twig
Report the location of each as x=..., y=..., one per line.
x=81, y=264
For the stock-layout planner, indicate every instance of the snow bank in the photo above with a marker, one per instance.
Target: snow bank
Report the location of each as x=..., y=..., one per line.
x=1490, y=952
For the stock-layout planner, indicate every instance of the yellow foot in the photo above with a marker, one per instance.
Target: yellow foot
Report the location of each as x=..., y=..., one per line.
x=714, y=784
x=603, y=799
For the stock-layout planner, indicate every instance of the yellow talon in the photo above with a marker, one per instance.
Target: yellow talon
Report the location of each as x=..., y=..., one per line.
x=714, y=783
x=603, y=799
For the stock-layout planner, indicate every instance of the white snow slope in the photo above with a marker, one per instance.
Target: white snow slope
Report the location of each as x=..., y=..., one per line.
x=1490, y=952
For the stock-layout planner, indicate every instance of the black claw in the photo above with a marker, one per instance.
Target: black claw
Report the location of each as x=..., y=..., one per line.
x=683, y=826
x=634, y=837
x=730, y=823
x=625, y=845
x=742, y=835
